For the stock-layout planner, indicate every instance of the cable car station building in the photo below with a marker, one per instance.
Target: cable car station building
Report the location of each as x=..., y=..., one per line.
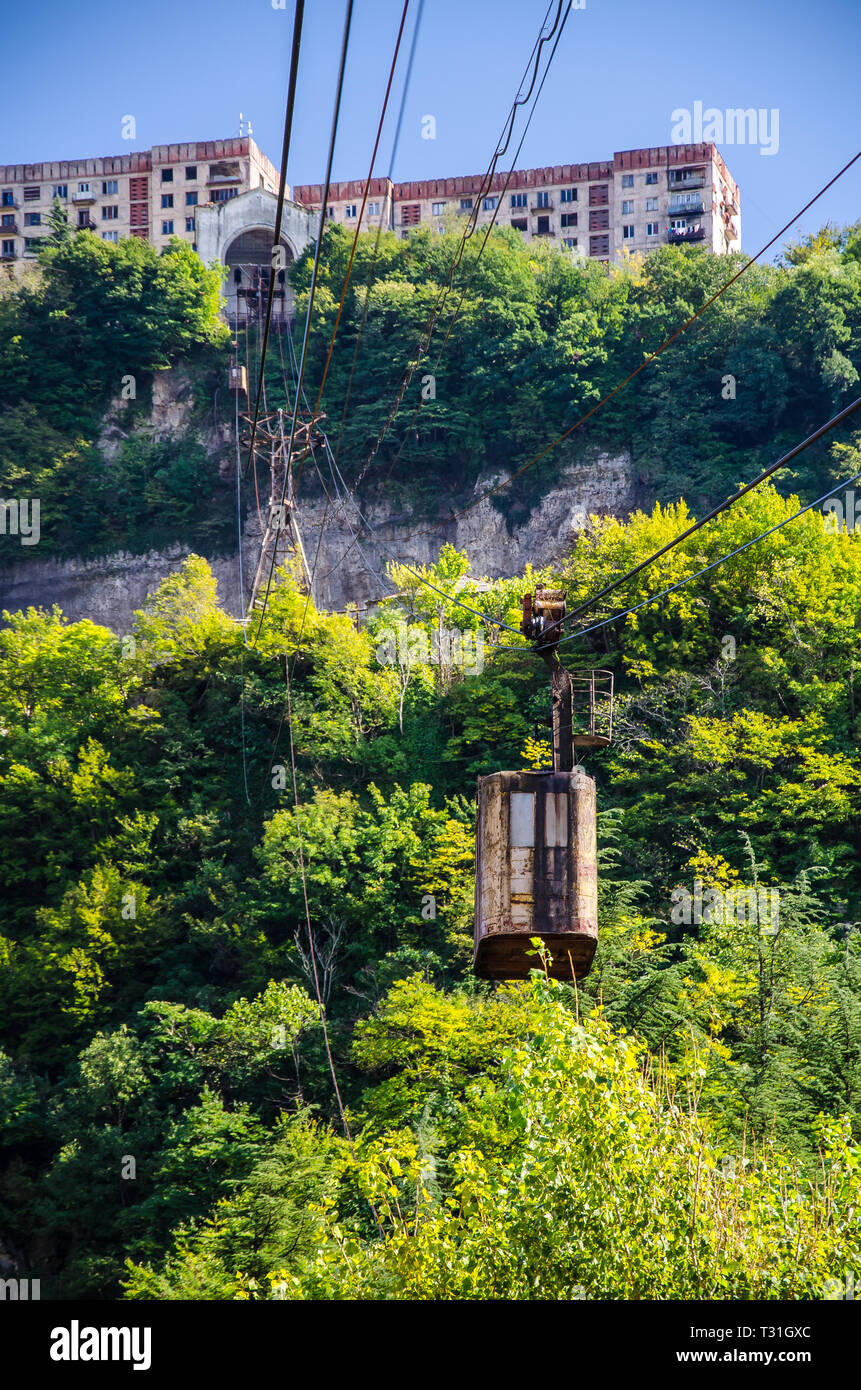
x=240, y=234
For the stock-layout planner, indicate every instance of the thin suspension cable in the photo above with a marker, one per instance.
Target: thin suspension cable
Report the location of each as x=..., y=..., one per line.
x=378, y=237
x=548, y=448
x=241, y=606
x=716, y=511
x=356, y=234
x=656, y=598
x=311, y=946
x=490, y=226
x=282, y=186
x=313, y=287
x=831, y=424
x=469, y=229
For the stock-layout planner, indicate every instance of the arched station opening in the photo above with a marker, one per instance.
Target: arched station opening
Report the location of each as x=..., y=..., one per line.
x=249, y=268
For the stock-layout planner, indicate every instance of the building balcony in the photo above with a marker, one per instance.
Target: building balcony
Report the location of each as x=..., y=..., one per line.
x=686, y=181
x=221, y=180
x=9, y=229
x=538, y=208
x=89, y=197
x=686, y=209
x=695, y=233
x=8, y=206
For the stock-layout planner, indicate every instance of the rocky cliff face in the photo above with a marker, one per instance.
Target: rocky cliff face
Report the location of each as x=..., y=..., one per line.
x=355, y=544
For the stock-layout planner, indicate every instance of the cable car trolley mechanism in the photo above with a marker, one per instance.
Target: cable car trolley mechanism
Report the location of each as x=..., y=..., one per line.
x=536, y=872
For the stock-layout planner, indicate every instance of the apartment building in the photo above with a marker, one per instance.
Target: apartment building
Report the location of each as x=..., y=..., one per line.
x=638, y=200
x=152, y=193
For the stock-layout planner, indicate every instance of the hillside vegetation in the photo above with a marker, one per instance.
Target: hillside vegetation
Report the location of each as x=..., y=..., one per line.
x=680, y=1126
x=189, y=859
x=539, y=338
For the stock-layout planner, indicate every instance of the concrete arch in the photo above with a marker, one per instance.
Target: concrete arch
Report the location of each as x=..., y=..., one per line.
x=252, y=216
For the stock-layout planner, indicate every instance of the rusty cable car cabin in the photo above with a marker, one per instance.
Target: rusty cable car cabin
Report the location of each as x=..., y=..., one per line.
x=536, y=870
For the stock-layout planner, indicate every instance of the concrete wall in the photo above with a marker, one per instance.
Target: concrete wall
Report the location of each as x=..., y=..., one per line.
x=218, y=226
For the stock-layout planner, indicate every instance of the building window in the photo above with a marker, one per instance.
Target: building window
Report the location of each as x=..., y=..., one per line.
x=167, y=228
x=627, y=207
x=83, y=188
x=191, y=171
x=599, y=246
x=350, y=210
x=110, y=236
x=651, y=205
x=83, y=219
x=628, y=231
x=437, y=209
x=543, y=227
x=570, y=241
x=31, y=195
x=31, y=245
x=627, y=180
x=569, y=219
x=411, y=214
x=652, y=176
x=489, y=204
x=191, y=200
x=7, y=220
x=518, y=200
x=167, y=176
x=465, y=204
x=7, y=248
x=8, y=198
x=222, y=195
x=568, y=195
x=189, y=224
x=60, y=190
x=32, y=219
x=599, y=220
x=651, y=229
x=110, y=187
x=519, y=224
x=373, y=209
x=167, y=200
x=542, y=199
x=110, y=213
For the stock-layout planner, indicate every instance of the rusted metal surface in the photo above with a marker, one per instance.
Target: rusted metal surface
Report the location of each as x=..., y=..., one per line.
x=536, y=873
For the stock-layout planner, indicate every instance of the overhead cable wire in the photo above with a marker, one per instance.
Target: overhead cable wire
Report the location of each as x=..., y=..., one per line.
x=656, y=598
x=376, y=251
x=313, y=286
x=356, y=234
x=548, y=448
x=488, y=230
x=298, y=17
x=716, y=511
x=469, y=229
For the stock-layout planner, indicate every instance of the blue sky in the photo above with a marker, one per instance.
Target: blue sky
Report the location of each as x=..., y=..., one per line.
x=185, y=71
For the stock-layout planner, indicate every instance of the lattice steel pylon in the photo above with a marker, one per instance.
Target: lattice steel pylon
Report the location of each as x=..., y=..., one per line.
x=281, y=535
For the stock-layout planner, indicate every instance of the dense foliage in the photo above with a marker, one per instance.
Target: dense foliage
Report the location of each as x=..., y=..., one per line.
x=541, y=336
x=212, y=851
x=682, y=1125
x=86, y=328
